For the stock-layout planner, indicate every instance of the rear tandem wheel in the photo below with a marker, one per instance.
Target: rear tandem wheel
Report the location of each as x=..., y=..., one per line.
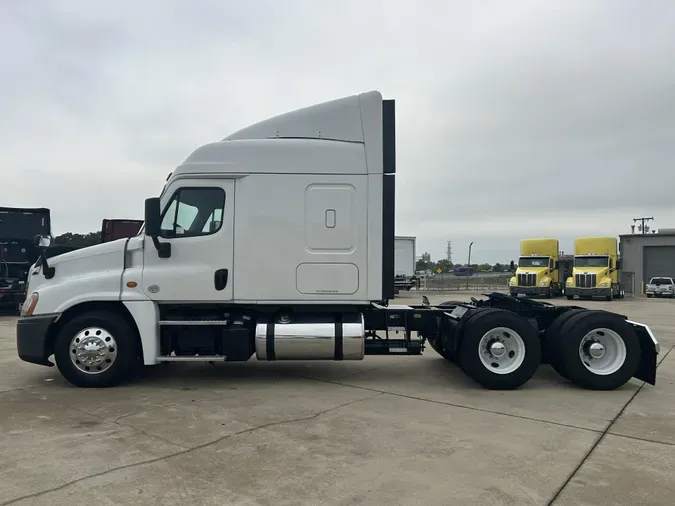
x=499, y=349
x=596, y=350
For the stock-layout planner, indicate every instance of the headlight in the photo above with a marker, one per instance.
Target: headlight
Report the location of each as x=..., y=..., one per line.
x=512, y=282
x=543, y=283
x=604, y=285
x=29, y=304
x=569, y=283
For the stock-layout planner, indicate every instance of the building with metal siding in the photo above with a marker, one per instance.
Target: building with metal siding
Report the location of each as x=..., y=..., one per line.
x=644, y=256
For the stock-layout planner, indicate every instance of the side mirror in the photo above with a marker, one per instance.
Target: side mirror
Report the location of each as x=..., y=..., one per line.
x=42, y=241
x=618, y=264
x=153, y=217
x=557, y=265
x=153, y=227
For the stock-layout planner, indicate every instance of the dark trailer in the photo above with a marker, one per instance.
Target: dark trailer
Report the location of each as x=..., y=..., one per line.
x=18, y=227
x=111, y=230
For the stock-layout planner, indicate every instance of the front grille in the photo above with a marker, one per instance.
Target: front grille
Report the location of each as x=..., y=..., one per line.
x=585, y=280
x=527, y=279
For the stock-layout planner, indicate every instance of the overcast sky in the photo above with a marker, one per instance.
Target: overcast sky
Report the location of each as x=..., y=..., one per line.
x=514, y=119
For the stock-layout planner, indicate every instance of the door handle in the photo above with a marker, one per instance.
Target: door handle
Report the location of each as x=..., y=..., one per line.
x=220, y=279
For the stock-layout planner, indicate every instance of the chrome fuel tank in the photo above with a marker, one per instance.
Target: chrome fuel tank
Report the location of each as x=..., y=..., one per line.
x=312, y=337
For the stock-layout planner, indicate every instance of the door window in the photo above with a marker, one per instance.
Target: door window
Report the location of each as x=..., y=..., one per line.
x=194, y=212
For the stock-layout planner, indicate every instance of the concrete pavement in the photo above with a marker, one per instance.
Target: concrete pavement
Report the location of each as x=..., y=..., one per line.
x=405, y=430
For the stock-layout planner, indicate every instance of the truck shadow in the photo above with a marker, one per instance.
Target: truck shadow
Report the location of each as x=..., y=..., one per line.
x=392, y=374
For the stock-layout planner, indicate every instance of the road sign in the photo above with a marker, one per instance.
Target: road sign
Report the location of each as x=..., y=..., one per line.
x=439, y=270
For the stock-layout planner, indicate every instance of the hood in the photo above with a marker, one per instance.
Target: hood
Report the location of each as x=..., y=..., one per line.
x=105, y=259
x=88, y=252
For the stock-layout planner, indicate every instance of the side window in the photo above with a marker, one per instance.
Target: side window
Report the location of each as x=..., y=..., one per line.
x=193, y=212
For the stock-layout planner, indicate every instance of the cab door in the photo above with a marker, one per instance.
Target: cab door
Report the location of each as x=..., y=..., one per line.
x=198, y=223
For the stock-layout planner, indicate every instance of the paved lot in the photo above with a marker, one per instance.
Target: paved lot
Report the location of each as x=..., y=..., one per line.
x=408, y=430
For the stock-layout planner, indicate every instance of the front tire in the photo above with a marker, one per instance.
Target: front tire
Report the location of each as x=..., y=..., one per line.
x=597, y=350
x=97, y=349
x=499, y=350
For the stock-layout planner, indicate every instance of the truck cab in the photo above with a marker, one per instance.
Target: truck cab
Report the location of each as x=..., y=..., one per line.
x=537, y=273
x=596, y=269
x=290, y=219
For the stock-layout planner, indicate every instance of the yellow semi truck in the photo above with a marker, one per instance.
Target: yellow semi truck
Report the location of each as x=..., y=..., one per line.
x=596, y=269
x=538, y=269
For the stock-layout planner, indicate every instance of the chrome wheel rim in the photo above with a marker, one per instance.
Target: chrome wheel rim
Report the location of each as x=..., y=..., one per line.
x=93, y=350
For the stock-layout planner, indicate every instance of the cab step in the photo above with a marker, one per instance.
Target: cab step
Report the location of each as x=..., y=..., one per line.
x=195, y=358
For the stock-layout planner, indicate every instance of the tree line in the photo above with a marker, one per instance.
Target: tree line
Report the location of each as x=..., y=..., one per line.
x=78, y=240
x=446, y=266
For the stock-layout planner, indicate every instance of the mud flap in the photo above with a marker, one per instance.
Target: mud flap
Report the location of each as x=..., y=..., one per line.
x=650, y=347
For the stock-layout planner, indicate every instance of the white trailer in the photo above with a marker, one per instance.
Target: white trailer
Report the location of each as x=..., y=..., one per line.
x=404, y=256
x=312, y=189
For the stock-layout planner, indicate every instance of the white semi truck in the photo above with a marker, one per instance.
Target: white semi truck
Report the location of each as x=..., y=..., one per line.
x=278, y=241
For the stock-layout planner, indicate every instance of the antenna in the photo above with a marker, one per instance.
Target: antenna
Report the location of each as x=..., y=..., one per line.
x=448, y=251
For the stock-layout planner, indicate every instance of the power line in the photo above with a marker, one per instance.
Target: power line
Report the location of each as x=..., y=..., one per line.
x=643, y=228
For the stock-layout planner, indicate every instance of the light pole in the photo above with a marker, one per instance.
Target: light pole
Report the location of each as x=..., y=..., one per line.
x=469, y=265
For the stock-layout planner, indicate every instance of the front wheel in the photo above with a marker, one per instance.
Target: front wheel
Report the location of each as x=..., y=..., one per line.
x=97, y=349
x=499, y=350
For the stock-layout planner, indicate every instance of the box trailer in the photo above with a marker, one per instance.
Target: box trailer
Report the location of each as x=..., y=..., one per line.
x=111, y=230
x=404, y=256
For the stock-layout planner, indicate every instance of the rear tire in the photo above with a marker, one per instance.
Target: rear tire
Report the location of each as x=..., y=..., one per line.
x=550, y=353
x=97, y=349
x=613, y=361
x=499, y=350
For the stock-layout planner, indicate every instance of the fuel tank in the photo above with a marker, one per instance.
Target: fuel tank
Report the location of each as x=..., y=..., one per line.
x=312, y=337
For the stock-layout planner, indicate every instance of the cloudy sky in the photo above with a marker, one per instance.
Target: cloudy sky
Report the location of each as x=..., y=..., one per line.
x=515, y=119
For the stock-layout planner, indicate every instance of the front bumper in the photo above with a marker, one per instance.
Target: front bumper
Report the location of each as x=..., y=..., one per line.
x=588, y=292
x=32, y=339
x=529, y=290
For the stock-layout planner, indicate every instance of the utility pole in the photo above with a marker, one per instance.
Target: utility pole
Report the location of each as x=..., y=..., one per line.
x=469, y=265
x=643, y=228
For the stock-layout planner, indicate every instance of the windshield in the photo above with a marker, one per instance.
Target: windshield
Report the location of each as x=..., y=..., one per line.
x=533, y=262
x=661, y=281
x=594, y=261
